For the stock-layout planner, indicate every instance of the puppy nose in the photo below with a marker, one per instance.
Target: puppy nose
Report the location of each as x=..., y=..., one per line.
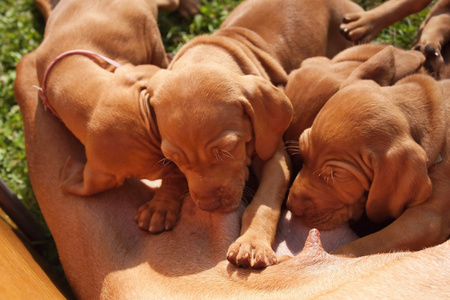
x=298, y=203
x=206, y=200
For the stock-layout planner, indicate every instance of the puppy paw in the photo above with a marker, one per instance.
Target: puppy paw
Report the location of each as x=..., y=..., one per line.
x=157, y=216
x=251, y=254
x=360, y=28
x=434, y=60
x=189, y=8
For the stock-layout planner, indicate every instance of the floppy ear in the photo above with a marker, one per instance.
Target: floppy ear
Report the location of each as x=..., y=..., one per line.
x=387, y=66
x=83, y=180
x=400, y=181
x=304, y=143
x=359, y=53
x=270, y=111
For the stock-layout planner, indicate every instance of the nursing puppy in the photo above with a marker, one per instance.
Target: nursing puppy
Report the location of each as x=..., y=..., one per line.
x=433, y=38
x=374, y=149
x=186, y=8
x=221, y=115
x=104, y=103
x=319, y=78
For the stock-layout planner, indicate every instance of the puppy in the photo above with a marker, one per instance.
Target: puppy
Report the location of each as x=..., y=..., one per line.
x=221, y=115
x=319, y=78
x=433, y=38
x=374, y=149
x=363, y=27
x=186, y=8
x=86, y=71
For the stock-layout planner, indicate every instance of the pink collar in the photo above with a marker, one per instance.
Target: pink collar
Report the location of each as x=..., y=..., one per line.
x=42, y=90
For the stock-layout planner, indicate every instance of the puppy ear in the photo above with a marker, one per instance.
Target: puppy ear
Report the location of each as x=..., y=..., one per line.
x=83, y=180
x=400, y=181
x=357, y=53
x=304, y=143
x=387, y=66
x=270, y=111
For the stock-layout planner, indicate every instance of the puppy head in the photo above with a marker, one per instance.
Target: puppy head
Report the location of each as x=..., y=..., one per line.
x=309, y=88
x=358, y=153
x=212, y=123
x=330, y=188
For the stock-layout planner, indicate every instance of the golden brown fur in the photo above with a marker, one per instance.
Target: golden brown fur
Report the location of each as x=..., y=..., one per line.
x=105, y=256
x=374, y=149
x=186, y=8
x=106, y=107
x=319, y=78
x=433, y=38
x=363, y=27
x=221, y=115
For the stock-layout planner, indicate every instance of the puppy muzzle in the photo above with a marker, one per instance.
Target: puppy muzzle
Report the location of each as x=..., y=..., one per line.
x=220, y=200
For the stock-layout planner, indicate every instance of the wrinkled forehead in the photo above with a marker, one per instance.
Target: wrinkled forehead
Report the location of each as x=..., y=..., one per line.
x=198, y=105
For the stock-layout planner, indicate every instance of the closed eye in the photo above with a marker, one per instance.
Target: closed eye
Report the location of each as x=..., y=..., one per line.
x=222, y=154
x=326, y=174
x=330, y=175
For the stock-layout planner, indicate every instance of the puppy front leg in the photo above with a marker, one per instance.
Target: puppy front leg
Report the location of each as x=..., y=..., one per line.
x=433, y=37
x=421, y=226
x=259, y=222
x=163, y=210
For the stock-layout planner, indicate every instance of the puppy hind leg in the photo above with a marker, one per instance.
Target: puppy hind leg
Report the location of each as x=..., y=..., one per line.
x=81, y=179
x=168, y=5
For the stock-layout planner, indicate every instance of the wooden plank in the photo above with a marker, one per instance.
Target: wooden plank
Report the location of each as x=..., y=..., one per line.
x=21, y=275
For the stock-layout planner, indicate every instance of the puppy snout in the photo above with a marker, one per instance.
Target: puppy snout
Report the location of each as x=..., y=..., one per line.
x=219, y=200
x=298, y=203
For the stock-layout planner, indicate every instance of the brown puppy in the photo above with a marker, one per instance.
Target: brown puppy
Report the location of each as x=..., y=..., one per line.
x=363, y=27
x=375, y=148
x=433, y=38
x=220, y=113
x=107, y=108
x=105, y=256
x=186, y=8
x=319, y=78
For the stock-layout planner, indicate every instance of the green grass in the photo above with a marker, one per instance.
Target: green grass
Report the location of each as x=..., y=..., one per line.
x=21, y=31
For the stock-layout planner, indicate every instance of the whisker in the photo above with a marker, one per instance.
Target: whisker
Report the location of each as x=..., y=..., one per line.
x=218, y=155
x=164, y=162
x=292, y=147
x=226, y=154
x=247, y=195
x=320, y=174
x=291, y=142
